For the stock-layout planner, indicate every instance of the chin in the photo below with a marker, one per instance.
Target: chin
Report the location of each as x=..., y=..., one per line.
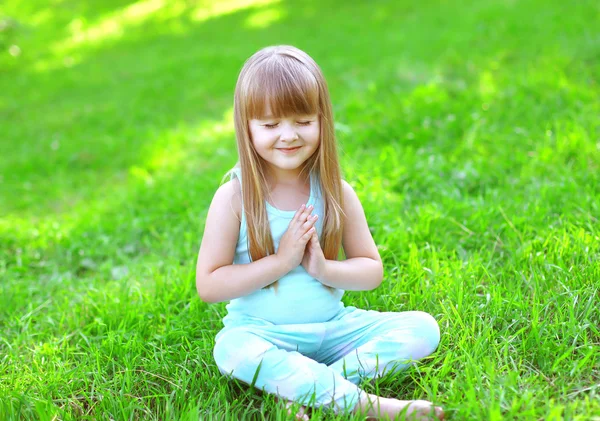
x=288, y=165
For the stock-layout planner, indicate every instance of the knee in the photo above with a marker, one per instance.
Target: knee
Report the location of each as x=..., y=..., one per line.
x=428, y=330
x=223, y=352
x=237, y=349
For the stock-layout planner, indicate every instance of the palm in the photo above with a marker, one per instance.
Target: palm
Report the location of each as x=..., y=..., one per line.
x=308, y=259
x=313, y=259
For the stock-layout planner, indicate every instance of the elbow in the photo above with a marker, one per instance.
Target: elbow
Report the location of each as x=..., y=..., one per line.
x=206, y=297
x=203, y=291
x=379, y=276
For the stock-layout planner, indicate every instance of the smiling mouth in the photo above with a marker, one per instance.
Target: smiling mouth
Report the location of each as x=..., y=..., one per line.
x=288, y=150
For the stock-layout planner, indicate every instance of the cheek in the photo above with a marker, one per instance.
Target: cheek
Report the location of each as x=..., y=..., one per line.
x=315, y=137
x=261, y=140
x=312, y=134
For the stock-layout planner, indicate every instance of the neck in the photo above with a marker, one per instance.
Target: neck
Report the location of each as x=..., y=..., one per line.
x=286, y=177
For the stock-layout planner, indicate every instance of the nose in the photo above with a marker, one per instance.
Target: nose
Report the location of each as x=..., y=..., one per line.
x=288, y=133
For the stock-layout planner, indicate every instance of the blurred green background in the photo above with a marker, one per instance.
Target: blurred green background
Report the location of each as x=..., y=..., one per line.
x=469, y=130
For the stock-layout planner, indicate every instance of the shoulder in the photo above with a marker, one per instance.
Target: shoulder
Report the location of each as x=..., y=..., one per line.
x=346, y=187
x=229, y=195
x=352, y=206
x=350, y=197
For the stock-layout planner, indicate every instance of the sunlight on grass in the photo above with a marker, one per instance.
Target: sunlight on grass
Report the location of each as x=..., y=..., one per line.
x=487, y=85
x=115, y=25
x=175, y=149
x=41, y=17
x=214, y=9
x=179, y=149
x=264, y=18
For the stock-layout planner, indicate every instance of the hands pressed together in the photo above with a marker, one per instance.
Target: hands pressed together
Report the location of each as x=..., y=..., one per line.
x=300, y=244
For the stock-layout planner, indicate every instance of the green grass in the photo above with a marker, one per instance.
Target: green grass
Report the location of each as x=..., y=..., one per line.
x=470, y=131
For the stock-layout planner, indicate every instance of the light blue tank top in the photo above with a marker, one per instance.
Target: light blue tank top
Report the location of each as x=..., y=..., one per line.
x=299, y=298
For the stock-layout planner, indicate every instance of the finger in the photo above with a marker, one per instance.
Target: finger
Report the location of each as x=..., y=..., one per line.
x=309, y=222
x=298, y=213
x=307, y=236
x=306, y=213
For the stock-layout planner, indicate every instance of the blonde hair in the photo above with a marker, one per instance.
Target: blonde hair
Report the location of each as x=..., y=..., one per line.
x=290, y=82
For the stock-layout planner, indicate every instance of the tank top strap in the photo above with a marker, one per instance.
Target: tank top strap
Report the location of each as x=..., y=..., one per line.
x=315, y=188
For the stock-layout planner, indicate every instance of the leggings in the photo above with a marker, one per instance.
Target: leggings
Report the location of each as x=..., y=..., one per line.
x=321, y=364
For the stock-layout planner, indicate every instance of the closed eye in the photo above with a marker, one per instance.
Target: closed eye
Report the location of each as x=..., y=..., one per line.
x=300, y=123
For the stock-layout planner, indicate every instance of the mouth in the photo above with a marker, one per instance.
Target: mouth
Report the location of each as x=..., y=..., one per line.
x=289, y=150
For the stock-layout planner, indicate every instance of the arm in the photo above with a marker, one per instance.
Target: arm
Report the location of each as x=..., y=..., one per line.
x=362, y=269
x=217, y=278
x=233, y=281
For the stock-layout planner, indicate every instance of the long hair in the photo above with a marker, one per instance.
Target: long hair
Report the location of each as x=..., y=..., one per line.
x=290, y=82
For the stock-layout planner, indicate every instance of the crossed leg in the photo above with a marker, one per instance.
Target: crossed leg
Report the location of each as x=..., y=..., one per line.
x=366, y=344
x=288, y=374
x=387, y=340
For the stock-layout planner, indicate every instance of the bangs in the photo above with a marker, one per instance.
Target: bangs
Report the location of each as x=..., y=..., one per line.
x=286, y=86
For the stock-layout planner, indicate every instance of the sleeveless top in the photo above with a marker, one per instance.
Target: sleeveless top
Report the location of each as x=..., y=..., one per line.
x=299, y=298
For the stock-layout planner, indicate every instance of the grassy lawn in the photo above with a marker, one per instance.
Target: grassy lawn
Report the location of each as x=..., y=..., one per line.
x=469, y=129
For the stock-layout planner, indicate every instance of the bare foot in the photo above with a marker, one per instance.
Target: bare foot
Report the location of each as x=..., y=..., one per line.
x=300, y=415
x=376, y=407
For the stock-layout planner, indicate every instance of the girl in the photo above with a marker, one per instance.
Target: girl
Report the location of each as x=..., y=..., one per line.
x=270, y=247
